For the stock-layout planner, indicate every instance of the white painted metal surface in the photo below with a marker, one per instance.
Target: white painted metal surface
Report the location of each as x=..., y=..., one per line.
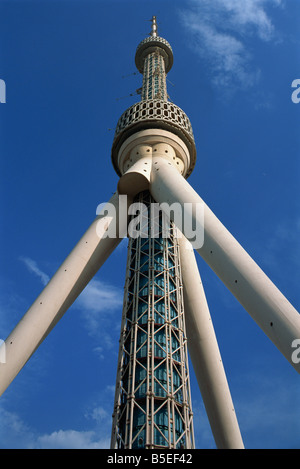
x=205, y=355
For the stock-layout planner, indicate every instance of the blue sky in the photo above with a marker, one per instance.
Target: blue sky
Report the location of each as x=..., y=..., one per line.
x=69, y=73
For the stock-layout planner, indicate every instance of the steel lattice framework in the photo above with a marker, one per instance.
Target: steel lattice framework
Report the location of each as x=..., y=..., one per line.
x=152, y=402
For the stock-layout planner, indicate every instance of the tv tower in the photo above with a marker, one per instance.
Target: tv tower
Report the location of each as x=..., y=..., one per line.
x=165, y=308
x=152, y=400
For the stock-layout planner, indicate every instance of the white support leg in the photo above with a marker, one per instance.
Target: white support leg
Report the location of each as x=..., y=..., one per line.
x=205, y=355
x=70, y=279
x=243, y=277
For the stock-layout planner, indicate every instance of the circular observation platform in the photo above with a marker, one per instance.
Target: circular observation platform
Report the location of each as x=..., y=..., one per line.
x=152, y=44
x=154, y=114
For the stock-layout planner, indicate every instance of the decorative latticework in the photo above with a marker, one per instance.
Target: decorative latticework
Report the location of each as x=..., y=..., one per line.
x=154, y=114
x=156, y=110
x=152, y=402
x=151, y=43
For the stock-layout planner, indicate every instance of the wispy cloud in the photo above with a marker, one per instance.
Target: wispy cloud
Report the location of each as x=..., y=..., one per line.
x=72, y=439
x=13, y=431
x=33, y=267
x=220, y=33
x=97, y=298
x=16, y=434
x=94, y=423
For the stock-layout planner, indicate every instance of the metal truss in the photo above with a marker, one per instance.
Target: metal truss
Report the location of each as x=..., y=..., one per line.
x=152, y=401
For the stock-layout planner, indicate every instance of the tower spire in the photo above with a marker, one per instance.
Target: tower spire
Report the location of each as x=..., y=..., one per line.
x=154, y=27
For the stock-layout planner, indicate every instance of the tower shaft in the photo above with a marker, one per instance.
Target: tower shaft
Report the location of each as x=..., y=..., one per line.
x=152, y=402
x=154, y=78
x=152, y=406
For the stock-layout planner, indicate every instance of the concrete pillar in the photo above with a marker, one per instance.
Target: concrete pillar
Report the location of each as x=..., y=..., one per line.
x=243, y=277
x=205, y=355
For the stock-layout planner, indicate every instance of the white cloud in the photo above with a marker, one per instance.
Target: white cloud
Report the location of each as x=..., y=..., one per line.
x=33, y=267
x=97, y=298
x=16, y=434
x=220, y=31
x=95, y=302
x=71, y=439
x=94, y=425
x=250, y=14
x=99, y=414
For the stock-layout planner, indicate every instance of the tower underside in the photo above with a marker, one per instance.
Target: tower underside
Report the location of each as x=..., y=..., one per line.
x=152, y=401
